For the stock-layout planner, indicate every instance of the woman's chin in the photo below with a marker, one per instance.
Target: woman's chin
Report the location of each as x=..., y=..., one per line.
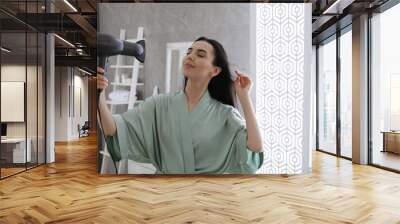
x=187, y=74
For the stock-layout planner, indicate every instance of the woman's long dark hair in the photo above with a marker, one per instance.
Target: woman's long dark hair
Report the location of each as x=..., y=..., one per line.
x=220, y=86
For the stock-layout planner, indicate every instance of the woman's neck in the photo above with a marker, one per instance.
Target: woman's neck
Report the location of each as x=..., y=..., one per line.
x=194, y=91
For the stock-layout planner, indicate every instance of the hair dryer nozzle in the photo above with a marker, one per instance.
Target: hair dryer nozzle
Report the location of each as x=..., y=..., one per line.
x=141, y=56
x=136, y=50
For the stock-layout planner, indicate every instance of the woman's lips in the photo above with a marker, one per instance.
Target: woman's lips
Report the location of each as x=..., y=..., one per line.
x=189, y=66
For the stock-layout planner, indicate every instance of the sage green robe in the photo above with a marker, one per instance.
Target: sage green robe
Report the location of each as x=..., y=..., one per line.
x=212, y=138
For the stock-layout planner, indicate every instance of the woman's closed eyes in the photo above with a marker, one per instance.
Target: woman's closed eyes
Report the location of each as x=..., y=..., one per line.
x=200, y=52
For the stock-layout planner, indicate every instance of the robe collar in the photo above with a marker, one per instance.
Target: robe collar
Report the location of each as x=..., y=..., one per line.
x=200, y=106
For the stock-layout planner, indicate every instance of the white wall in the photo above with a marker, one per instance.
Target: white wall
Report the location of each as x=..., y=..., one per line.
x=81, y=83
x=61, y=104
x=68, y=82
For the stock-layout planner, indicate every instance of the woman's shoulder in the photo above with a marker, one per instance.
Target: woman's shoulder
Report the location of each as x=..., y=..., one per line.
x=224, y=108
x=162, y=98
x=232, y=115
x=229, y=114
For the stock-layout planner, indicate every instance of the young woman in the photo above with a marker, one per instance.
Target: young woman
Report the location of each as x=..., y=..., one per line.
x=195, y=130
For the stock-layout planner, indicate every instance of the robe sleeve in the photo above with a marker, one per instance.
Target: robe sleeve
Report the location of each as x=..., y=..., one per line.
x=247, y=160
x=134, y=138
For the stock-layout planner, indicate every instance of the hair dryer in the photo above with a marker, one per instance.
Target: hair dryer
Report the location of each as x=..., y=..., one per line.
x=108, y=45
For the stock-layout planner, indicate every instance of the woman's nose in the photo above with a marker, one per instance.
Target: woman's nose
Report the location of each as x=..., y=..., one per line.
x=190, y=56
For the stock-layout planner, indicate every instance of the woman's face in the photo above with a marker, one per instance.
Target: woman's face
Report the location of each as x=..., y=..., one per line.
x=198, y=62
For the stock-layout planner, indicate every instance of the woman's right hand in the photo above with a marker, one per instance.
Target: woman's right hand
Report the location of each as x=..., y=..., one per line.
x=102, y=82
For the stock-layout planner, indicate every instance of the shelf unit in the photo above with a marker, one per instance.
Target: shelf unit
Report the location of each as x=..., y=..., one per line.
x=132, y=85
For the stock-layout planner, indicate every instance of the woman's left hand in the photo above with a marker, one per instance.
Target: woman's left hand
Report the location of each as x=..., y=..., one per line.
x=242, y=84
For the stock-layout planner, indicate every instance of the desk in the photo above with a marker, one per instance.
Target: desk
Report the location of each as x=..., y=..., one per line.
x=391, y=141
x=16, y=147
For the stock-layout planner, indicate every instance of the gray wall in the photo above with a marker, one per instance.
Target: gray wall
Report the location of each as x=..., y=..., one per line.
x=179, y=22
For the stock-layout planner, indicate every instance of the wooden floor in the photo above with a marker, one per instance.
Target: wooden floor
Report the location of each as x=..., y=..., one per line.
x=5, y=172
x=70, y=191
x=387, y=159
x=10, y=171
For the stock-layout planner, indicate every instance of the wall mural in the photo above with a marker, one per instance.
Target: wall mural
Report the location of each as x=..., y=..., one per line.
x=280, y=58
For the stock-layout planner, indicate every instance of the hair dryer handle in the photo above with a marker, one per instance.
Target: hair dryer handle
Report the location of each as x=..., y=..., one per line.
x=101, y=62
